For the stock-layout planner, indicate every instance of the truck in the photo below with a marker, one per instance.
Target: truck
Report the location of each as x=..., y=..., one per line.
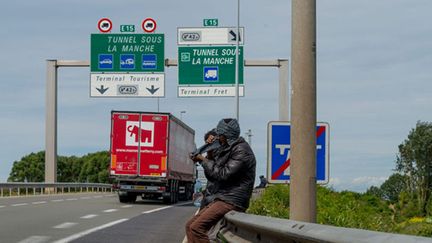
x=150, y=156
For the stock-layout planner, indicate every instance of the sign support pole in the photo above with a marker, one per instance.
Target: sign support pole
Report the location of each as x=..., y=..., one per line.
x=51, y=116
x=303, y=112
x=237, y=63
x=51, y=123
x=283, y=90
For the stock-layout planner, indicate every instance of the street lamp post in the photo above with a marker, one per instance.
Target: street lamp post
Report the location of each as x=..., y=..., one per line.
x=303, y=112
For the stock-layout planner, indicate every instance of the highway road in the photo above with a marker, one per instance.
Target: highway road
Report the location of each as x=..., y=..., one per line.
x=92, y=217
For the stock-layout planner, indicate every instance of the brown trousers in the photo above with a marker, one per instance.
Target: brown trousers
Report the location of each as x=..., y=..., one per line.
x=199, y=225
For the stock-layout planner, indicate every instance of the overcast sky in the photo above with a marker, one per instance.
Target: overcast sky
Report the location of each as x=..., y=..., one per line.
x=374, y=76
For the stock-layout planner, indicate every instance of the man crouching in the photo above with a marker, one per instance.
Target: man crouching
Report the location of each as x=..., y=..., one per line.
x=233, y=173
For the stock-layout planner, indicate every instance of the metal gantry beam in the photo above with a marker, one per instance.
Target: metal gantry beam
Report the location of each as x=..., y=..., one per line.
x=51, y=102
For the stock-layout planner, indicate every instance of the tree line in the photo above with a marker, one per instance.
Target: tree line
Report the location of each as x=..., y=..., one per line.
x=91, y=168
x=409, y=189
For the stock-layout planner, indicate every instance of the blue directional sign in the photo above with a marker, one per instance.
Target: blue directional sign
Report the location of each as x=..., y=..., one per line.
x=105, y=61
x=279, y=147
x=211, y=74
x=149, y=61
x=127, y=61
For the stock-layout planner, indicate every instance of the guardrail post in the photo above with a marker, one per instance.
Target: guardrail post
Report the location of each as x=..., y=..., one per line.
x=10, y=192
x=26, y=191
x=1, y=189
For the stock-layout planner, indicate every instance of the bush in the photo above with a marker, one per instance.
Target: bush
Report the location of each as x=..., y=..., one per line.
x=415, y=227
x=344, y=209
x=274, y=202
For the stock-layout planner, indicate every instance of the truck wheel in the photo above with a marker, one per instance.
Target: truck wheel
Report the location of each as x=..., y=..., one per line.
x=132, y=198
x=123, y=199
x=167, y=200
x=127, y=198
x=176, y=191
x=189, y=192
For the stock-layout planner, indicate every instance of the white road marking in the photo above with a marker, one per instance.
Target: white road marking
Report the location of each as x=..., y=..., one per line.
x=19, y=204
x=85, y=197
x=163, y=208
x=127, y=206
x=89, y=231
x=35, y=239
x=157, y=209
x=65, y=225
x=110, y=210
x=89, y=216
x=98, y=197
x=57, y=200
x=41, y=202
x=71, y=199
x=2, y=206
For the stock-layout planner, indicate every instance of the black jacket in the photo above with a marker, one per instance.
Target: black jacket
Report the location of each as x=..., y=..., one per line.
x=232, y=173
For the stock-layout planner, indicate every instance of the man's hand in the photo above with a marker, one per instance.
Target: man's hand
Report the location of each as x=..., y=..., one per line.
x=198, y=158
x=210, y=139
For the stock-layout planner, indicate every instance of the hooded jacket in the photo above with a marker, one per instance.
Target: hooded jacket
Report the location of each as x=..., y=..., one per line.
x=232, y=173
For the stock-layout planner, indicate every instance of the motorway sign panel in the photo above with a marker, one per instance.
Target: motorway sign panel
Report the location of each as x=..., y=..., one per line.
x=209, y=36
x=210, y=22
x=279, y=160
x=127, y=85
x=127, y=28
x=126, y=53
x=205, y=65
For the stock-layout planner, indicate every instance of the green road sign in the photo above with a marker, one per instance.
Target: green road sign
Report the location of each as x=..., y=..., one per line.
x=210, y=22
x=127, y=53
x=208, y=65
x=127, y=28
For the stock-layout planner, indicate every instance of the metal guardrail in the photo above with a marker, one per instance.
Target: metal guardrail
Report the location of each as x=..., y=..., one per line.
x=39, y=188
x=243, y=227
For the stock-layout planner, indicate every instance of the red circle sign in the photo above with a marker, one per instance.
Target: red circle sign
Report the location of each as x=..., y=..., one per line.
x=148, y=25
x=105, y=25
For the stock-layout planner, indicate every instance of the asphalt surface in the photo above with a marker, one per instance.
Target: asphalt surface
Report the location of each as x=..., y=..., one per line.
x=93, y=217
